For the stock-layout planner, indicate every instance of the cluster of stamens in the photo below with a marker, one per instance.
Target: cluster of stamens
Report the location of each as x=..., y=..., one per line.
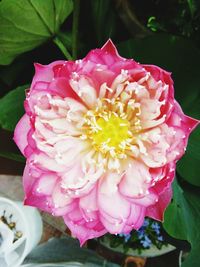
x=12, y=226
x=113, y=125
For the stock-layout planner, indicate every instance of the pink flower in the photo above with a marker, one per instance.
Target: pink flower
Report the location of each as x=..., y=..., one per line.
x=101, y=136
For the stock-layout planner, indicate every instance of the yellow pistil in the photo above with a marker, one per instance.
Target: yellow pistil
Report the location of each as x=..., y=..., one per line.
x=111, y=132
x=111, y=127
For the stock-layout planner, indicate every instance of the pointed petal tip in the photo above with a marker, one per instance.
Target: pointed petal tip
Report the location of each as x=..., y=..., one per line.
x=25, y=202
x=192, y=123
x=110, y=48
x=38, y=66
x=82, y=242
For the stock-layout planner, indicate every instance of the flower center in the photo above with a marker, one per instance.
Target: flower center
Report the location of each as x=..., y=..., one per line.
x=111, y=133
x=112, y=126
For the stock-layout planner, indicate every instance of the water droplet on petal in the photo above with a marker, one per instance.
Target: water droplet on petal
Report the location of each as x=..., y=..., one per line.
x=38, y=190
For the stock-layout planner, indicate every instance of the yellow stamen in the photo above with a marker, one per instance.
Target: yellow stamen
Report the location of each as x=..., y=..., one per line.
x=111, y=127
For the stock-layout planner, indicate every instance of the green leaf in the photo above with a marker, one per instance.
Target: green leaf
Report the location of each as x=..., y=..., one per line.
x=13, y=156
x=182, y=221
x=25, y=24
x=193, y=6
x=182, y=58
x=188, y=166
x=103, y=11
x=11, y=108
x=66, y=38
x=10, y=73
x=66, y=250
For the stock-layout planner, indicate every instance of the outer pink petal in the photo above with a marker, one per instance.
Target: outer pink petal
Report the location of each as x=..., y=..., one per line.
x=60, y=86
x=21, y=131
x=108, y=193
x=31, y=199
x=80, y=228
x=168, y=95
x=45, y=184
x=135, y=219
x=145, y=201
x=28, y=180
x=183, y=125
x=45, y=73
x=136, y=180
x=88, y=205
x=179, y=119
x=107, y=55
x=157, y=211
x=164, y=191
x=111, y=49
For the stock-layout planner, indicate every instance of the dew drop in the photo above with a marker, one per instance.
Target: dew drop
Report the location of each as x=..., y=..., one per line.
x=38, y=190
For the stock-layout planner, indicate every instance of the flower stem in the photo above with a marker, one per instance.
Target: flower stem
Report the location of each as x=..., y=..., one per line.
x=75, y=28
x=62, y=47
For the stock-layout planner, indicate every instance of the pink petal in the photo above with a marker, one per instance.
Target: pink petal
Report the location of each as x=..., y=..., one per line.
x=21, y=131
x=88, y=206
x=44, y=73
x=164, y=191
x=82, y=229
x=78, y=182
x=109, y=213
x=155, y=148
x=135, y=181
x=145, y=201
x=135, y=219
x=168, y=93
x=46, y=184
x=156, y=211
x=110, y=48
x=60, y=86
x=61, y=203
x=42, y=202
x=85, y=90
x=28, y=180
x=89, y=202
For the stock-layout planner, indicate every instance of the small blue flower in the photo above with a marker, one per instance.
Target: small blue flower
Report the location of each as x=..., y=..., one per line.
x=160, y=238
x=156, y=227
x=126, y=237
x=140, y=233
x=146, y=243
x=146, y=223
